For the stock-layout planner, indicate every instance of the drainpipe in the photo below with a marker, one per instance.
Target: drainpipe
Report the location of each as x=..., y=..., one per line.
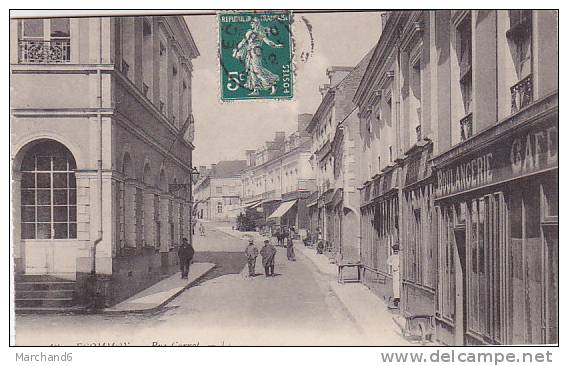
x=100, y=159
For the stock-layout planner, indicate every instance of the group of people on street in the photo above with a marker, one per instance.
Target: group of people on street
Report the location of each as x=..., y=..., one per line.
x=268, y=254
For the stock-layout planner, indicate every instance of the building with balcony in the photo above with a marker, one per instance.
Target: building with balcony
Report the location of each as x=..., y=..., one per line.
x=336, y=142
x=463, y=105
x=217, y=195
x=101, y=127
x=278, y=179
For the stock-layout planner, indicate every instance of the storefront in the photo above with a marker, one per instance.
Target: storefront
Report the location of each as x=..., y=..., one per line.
x=497, y=240
x=379, y=231
x=418, y=239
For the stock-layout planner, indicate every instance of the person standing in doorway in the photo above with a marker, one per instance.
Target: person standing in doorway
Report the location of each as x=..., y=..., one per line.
x=251, y=253
x=394, y=261
x=268, y=252
x=185, y=254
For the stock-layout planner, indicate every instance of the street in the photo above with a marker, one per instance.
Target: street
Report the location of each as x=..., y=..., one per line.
x=224, y=308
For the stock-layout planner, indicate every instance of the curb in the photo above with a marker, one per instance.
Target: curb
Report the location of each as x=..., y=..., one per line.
x=161, y=305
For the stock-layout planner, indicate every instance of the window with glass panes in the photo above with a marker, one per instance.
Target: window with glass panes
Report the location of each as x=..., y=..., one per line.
x=485, y=241
x=520, y=33
x=533, y=262
x=157, y=220
x=48, y=193
x=464, y=60
x=45, y=40
x=419, y=251
x=446, y=289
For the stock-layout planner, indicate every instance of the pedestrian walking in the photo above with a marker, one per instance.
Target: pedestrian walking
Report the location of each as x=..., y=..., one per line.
x=290, y=250
x=279, y=237
x=185, y=254
x=251, y=253
x=268, y=252
x=201, y=229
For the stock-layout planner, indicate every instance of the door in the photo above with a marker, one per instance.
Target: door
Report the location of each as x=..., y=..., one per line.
x=461, y=314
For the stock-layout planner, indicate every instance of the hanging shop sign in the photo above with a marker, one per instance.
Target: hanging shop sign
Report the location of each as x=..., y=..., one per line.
x=516, y=156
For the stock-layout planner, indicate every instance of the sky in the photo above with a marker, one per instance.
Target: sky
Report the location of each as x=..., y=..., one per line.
x=223, y=131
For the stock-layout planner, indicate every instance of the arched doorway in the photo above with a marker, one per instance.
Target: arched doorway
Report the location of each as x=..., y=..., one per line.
x=48, y=207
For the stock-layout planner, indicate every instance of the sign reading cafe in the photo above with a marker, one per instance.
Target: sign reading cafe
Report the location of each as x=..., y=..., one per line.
x=519, y=155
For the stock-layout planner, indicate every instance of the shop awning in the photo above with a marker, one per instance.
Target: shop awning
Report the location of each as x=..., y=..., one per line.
x=253, y=204
x=282, y=209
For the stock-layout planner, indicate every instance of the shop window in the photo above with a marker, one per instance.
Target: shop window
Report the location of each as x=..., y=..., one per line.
x=485, y=241
x=551, y=270
x=48, y=193
x=446, y=304
x=528, y=279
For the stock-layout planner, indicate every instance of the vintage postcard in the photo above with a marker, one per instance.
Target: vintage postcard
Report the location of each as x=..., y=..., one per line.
x=286, y=178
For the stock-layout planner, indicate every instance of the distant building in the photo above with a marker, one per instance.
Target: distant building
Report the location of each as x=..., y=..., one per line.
x=279, y=178
x=335, y=143
x=96, y=105
x=218, y=192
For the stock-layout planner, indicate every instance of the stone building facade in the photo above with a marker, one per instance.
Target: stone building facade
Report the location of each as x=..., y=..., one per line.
x=279, y=175
x=217, y=195
x=459, y=118
x=101, y=125
x=334, y=130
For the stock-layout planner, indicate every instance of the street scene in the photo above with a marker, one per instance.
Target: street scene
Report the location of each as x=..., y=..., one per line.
x=285, y=178
x=225, y=307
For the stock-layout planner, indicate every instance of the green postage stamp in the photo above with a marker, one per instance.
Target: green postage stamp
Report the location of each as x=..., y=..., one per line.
x=255, y=55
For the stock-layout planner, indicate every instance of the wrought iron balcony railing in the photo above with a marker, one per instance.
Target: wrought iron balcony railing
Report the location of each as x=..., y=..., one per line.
x=45, y=52
x=466, y=126
x=521, y=94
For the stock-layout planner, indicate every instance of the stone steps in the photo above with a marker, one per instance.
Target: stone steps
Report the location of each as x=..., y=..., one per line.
x=43, y=293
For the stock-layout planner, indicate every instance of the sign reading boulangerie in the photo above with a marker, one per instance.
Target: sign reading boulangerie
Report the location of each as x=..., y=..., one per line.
x=522, y=154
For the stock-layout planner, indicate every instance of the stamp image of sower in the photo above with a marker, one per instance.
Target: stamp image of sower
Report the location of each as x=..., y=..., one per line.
x=255, y=55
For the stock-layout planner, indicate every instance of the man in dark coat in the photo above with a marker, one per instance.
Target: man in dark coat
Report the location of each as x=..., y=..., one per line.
x=268, y=252
x=185, y=254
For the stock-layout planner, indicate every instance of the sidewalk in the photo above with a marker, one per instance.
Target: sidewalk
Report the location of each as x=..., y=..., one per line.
x=368, y=311
x=162, y=292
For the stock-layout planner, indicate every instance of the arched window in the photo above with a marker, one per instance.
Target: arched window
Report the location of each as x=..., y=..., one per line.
x=48, y=192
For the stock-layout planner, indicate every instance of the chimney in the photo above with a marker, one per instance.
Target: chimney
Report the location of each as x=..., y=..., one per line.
x=384, y=18
x=250, y=157
x=337, y=73
x=303, y=121
x=213, y=168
